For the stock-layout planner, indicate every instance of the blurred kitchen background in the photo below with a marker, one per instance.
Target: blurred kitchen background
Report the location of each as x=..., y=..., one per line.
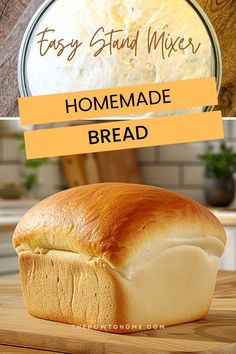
x=176, y=167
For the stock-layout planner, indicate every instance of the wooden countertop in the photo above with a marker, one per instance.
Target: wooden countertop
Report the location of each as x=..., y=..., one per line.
x=214, y=334
x=15, y=15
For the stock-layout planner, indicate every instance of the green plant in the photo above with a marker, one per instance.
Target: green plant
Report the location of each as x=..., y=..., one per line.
x=32, y=166
x=220, y=164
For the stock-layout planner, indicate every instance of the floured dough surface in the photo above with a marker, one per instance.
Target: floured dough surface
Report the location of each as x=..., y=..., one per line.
x=82, y=18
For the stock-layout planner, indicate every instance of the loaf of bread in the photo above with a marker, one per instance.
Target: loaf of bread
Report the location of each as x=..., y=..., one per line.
x=118, y=257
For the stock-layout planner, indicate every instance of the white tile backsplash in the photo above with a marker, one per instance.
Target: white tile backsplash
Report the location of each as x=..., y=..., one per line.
x=9, y=265
x=145, y=154
x=10, y=149
x=233, y=129
x=178, y=166
x=196, y=194
x=160, y=175
x=216, y=144
x=193, y=175
x=50, y=180
x=9, y=173
x=172, y=166
x=227, y=129
x=228, y=260
x=50, y=174
x=181, y=152
x=46, y=191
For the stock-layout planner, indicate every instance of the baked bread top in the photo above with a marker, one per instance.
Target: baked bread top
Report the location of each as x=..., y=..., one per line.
x=117, y=222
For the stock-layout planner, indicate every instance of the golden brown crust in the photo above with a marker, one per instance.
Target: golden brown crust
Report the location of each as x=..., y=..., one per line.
x=111, y=220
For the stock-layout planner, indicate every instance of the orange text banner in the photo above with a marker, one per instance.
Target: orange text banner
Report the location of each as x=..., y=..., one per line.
x=123, y=135
x=119, y=101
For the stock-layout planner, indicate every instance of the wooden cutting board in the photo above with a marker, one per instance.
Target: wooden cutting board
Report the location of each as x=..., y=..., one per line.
x=110, y=166
x=15, y=15
x=212, y=335
x=118, y=166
